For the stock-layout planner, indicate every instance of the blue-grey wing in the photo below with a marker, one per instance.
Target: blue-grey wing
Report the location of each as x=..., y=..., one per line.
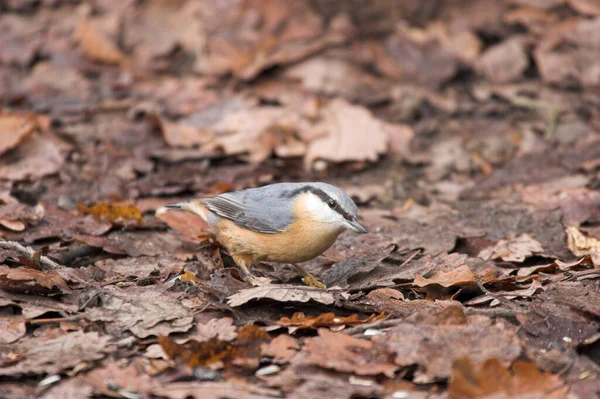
x=262, y=210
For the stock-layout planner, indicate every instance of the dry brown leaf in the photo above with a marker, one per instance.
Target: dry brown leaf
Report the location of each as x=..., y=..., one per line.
x=347, y=354
x=22, y=279
x=260, y=131
x=282, y=32
x=300, y=321
x=587, y=7
x=514, y=250
x=580, y=244
x=281, y=349
x=504, y=62
x=435, y=347
x=12, y=327
x=14, y=129
x=180, y=134
x=190, y=225
x=51, y=356
x=494, y=381
x=243, y=351
x=462, y=275
x=181, y=25
x=144, y=311
x=37, y=157
x=234, y=388
x=281, y=293
x=127, y=379
x=221, y=328
x=11, y=224
x=354, y=134
x=111, y=212
x=96, y=45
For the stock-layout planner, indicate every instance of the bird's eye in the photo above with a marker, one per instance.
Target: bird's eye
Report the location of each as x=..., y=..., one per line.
x=331, y=203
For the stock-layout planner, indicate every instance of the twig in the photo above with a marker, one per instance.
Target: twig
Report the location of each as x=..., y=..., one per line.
x=411, y=257
x=29, y=252
x=54, y=320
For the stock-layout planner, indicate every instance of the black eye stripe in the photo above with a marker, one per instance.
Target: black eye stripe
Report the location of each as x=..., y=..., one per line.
x=322, y=195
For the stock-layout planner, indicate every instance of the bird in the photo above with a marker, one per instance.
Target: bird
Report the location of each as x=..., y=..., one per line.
x=281, y=222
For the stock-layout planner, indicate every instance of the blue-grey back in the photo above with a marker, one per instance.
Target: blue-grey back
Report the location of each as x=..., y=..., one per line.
x=269, y=209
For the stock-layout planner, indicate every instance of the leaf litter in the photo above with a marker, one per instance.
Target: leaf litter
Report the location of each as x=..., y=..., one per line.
x=468, y=137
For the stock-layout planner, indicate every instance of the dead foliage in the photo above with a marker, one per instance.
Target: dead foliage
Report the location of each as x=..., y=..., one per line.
x=468, y=133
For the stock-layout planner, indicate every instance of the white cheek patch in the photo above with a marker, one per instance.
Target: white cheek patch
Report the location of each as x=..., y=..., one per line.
x=320, y=211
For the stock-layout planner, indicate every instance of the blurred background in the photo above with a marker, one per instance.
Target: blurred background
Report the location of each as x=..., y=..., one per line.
x=467, y=131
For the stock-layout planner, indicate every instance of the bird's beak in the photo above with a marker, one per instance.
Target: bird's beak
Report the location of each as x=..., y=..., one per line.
x=355, y=226
x=185, y=206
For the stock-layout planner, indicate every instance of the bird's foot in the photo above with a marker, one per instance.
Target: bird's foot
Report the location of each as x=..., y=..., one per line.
x=312, y=281
x=308, y=278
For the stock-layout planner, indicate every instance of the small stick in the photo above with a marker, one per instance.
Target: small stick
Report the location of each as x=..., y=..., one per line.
x=29, y=252
x=55, y=320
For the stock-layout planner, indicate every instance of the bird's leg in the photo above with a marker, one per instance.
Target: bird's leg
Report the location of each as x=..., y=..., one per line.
x=308, y=278
x=244, y=263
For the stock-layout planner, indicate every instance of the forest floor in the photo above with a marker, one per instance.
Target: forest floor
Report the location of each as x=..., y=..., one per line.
x=468, y=132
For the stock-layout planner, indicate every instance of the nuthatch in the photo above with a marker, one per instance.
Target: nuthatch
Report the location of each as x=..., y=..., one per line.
x=285, y=222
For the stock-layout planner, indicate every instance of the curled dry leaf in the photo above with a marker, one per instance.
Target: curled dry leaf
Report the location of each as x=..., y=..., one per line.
x=300, y=321
x=142, y=310
x=127, y=379
x=504, y=62
x=347, y=354
x=580, y=244
x=14, y=129
x=494, y=380
x=37, y=157
x=281, y=293
x=190, y=225
x=111, y=212
x=281, y=349
x=95, y=43
x=22, y=279
x=235, y=388
x=222, y=328
x=462, y=275
x=243, y=351
x=435, y=347
x=180, y=134
x=12, y=327
x=354, y=134
x=587, y=7
x=514, y=250
x=51, y=356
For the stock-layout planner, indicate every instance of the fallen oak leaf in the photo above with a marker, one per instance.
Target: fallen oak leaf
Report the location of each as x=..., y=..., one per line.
x=354, y=134
x=111, y=212
x=14, y=129
x=347, y=354
x=494, y=380
x=300, y=321
x=281, y=293
x=514, y=250
x=12, y=327
x=580, y=244
x=22, y=279
x=51, y=356
x=462, y=275
x=243, y=351
x=434, y=347
x=96, y=46
x=281, y=349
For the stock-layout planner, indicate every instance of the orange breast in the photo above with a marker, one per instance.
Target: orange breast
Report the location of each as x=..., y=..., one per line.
x=304, y=240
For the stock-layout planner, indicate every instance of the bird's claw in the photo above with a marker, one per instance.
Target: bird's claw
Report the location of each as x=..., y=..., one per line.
x=312, y=281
